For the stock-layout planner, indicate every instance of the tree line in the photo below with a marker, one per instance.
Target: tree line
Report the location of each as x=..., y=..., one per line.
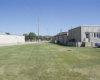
x=33, y=36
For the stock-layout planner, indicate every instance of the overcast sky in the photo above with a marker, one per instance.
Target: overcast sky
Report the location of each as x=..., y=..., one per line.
x=21, y=16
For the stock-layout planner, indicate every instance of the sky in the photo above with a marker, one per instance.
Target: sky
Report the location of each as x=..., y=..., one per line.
x=21, y=16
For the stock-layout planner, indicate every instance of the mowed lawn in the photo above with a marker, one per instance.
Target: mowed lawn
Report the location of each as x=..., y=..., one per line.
x=48, y=61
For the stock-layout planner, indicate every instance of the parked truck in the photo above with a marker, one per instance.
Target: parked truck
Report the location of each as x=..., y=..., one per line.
x=97, y=44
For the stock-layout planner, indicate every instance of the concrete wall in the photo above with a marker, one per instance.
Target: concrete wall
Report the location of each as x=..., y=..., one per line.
x=77, y=44
x=11, y=39
x=71, y=43
x=75, y=33
x=89, y=44
x=85, y=29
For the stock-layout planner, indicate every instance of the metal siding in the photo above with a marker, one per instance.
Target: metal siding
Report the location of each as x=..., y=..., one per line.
x=65, y=39
x=56, y=38
x=61, y=39
x=75, y=33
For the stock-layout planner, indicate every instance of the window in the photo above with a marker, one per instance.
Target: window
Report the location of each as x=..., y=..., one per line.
x=97, y=35
x=94, y=35
x=87, y=35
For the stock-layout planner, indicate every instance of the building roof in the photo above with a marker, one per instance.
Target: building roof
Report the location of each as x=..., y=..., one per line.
x=90, y=25
x=86, y=26
x=11, y=35
x=62, y=33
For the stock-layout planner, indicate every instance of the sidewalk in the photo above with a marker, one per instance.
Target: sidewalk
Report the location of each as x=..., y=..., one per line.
x=12, y=44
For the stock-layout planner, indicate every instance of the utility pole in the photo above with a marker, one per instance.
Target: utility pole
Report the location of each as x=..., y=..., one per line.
x=47, y=33
x=38, y=28
x=60, y=31
x=72, y=32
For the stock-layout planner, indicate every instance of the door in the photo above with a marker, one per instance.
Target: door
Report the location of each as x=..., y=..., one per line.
x=87, y=37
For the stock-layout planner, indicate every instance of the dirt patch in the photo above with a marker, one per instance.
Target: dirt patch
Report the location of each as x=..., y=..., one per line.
x=51, y=70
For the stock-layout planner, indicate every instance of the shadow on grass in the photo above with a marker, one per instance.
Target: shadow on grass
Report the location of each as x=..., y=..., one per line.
x=96, y=47
x=62, y=45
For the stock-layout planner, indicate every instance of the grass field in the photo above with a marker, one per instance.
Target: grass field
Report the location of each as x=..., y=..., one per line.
x=48, y=61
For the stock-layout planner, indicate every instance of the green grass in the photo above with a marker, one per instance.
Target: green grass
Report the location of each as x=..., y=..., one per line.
x=48, y=61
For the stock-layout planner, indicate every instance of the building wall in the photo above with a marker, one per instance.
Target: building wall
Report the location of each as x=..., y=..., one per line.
x=11, y=39
x=53, y=39
x=77, y=44
x=65, y=39
x=61, y=39
x=57, y=38
x=75, y=33
x=88, y=29
x=89, y=44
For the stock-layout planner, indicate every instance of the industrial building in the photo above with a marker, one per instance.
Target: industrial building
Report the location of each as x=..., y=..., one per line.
x=61, y=37
x=85, y=34
x=11, y=39
x=79, y=36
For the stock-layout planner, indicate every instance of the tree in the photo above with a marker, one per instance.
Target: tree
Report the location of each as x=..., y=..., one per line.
x=36, y=37
x=50, y=37
x=26, y=36
x=32, y=35
x=7, y=33
x=41, y=37
x=44, y=37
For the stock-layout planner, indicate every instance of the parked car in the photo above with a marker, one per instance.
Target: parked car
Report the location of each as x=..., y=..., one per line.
x=97, y=44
